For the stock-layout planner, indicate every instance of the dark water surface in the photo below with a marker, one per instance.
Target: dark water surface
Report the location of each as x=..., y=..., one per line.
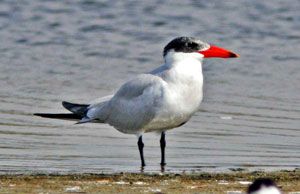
x=79, y=50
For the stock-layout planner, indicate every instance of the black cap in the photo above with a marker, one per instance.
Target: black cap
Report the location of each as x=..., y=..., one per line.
x=186, y=45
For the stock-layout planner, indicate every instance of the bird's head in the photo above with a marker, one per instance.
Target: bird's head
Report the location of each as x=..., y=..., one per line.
x=263, y=186
x=193, y=45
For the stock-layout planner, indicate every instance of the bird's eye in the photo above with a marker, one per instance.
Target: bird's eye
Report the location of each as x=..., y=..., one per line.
x=192, y=45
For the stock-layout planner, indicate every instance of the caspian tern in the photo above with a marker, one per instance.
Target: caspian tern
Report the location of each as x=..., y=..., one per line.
x=263, y=186
x=163, y=99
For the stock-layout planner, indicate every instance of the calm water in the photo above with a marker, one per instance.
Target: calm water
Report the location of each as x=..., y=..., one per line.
x=79, y=50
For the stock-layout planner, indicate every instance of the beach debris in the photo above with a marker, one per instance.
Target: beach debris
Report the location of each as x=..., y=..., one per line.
x=73, y=189
x=192, y=187
x=165, y=182
x=156, y=190
x=223, y=182
x=235, y=192
x=121, y=183
x=245, y=182
x=102, y=182
x=153, y=190
x=139, y=183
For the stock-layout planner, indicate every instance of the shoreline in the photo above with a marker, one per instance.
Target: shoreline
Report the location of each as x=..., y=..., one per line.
x=234, y=182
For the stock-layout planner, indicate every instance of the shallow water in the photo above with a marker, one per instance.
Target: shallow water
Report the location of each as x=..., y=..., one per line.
x=80, y=50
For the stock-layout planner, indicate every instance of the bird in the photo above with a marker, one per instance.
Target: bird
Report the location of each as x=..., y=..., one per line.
x=263, y=186
x=162, y=99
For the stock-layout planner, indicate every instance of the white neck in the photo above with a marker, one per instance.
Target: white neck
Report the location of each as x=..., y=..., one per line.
x=174, y=58
x=182, y=67
x=183, y=73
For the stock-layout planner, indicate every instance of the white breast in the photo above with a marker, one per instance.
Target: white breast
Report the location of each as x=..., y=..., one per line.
x=183, y=92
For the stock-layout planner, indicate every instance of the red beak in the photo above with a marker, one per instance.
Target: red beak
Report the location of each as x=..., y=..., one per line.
x=218, y=52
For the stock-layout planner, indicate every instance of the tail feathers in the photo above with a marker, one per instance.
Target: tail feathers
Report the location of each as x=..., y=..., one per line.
x=78, y=113
x=66, y=116
x=78, y=109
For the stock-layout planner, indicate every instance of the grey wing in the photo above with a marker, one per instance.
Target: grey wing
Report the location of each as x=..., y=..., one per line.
x=134, y=105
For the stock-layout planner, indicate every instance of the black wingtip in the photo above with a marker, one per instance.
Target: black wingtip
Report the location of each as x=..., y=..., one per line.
x=79, y=109
x=66, y=105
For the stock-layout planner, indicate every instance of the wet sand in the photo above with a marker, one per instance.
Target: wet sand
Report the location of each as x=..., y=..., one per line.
x=231, y=183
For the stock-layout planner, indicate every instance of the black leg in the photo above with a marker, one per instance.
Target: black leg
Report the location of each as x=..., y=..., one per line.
x=141, y=146
x=162, y=148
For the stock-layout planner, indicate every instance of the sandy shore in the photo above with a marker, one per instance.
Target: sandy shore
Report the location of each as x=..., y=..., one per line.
x=230, y=183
